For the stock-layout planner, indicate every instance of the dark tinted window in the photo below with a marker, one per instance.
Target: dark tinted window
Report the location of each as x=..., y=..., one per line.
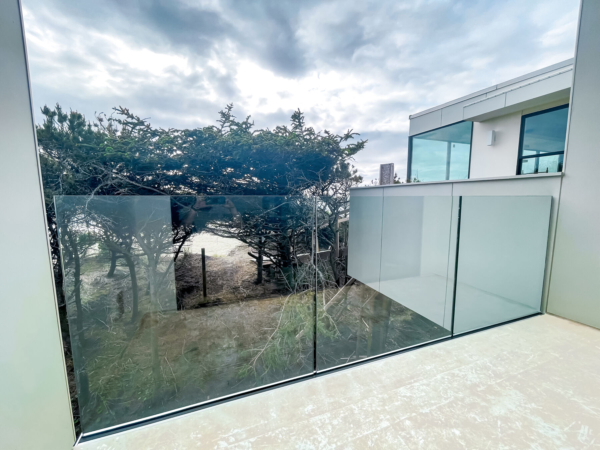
x=543, y=138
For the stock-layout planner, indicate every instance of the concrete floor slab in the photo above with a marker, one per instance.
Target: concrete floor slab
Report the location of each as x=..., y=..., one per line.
x=530, y=384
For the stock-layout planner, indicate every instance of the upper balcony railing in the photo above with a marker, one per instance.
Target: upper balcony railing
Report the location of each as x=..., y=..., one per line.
x=175, y=302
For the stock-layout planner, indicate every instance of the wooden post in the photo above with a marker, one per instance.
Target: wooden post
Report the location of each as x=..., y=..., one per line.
x=203, y=274
x=336, y=242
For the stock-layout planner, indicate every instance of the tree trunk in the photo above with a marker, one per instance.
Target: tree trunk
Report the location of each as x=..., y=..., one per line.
x=180, y=247
x=76, y=282
x=120, y=304
x=80, y=372
x=380, y=322
x=154, y=323
x=134, y=286
x=113, y=264
x=204, y=286
x=259, y=266
x=285, y=259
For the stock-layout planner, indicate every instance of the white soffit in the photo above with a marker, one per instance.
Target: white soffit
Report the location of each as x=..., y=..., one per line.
x=552, y=88
x=545, y=85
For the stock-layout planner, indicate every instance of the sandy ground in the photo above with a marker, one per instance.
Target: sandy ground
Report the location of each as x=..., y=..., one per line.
x=214, y=245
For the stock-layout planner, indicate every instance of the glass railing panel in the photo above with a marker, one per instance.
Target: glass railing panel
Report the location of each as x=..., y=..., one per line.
x=415, y=256
x=257, y=317
x=502, y=258
x=364, y=240
x=360, y=318
x=542, y=164
x=206, y=297
x=452, y=254
x=119, y=284
x=177, y=301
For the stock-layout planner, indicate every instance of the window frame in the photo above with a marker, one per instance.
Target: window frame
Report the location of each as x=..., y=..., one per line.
x=520, y=156
x=410, y=151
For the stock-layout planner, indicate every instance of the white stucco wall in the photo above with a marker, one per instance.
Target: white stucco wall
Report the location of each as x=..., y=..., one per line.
x=35, y=412
x=500, y=159
x=575, y=285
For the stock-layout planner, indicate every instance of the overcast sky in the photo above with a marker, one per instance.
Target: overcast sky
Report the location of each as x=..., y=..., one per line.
x=346, y=64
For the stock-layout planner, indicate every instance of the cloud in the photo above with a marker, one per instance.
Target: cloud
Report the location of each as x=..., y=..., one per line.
x=364, y=66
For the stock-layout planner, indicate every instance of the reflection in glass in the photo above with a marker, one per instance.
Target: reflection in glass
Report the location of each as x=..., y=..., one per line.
x=176, y=301
x=117, y=258
x=366, y=208
x=397, y=295
x=357, y=322
x=415, y=257
x=255, y=320
x=441, y=154
x=543, y=164
x=543, y=133
x=502, y=259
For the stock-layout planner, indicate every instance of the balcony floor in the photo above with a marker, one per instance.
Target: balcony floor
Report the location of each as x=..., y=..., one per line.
x=530, y=384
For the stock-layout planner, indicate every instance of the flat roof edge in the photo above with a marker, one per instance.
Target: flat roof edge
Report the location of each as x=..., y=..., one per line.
x=533, y=74
x=522, y=86
x=468, y=180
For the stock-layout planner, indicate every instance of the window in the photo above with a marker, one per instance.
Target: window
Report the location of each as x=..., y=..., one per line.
x=442, y=154
x=542, y=145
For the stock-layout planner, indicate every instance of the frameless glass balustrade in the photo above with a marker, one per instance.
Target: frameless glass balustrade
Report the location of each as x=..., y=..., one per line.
x=365, y=237
x=502, y=259
x=398, y=265
x=178, y=301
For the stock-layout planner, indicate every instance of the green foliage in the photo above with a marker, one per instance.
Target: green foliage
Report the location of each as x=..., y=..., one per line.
x=123, y=154
x=291, y=344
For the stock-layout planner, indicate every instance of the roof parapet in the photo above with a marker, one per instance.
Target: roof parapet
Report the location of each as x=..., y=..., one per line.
x=490, y=90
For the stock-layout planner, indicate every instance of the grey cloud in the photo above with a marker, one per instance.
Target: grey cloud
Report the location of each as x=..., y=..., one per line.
x=405, y=55
x=195, y=27
x=151, y=23
x=265, y=30
x=270, y=35
x=384, y=147
x=262, y=120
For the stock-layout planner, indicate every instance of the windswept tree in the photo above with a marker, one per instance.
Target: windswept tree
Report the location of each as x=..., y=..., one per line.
x=123, y=154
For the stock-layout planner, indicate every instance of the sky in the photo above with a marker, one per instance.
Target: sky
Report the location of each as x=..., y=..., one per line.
x=360, y=65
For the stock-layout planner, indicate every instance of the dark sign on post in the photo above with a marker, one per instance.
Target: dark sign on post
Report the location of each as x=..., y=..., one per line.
x=386, y=174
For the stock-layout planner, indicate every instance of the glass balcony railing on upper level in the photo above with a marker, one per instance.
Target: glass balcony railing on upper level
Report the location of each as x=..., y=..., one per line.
x=179, y=301
x=182, y=300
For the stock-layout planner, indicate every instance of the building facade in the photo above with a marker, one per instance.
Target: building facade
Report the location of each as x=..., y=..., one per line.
x=513, y=128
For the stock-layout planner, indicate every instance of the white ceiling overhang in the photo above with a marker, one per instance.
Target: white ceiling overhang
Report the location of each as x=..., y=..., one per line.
x=552, y=88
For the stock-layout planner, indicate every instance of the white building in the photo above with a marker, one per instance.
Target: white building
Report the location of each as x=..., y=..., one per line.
x=496, y=132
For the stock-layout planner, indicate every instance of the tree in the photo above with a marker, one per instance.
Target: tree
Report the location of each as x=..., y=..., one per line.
x=123, y=154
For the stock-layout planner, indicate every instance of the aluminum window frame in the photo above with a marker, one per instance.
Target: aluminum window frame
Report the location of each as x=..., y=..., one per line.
x=520, y=156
